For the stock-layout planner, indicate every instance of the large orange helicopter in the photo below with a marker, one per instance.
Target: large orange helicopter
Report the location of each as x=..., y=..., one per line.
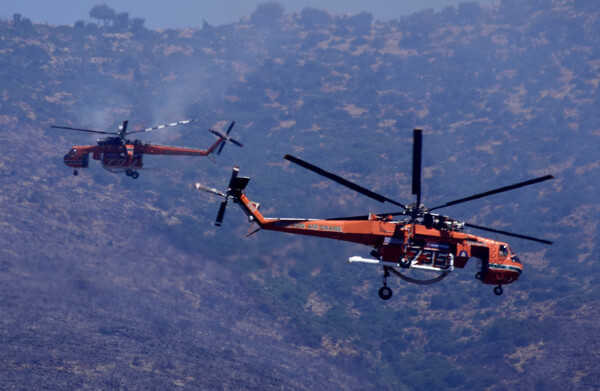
x=414, y=238
x=117, y=154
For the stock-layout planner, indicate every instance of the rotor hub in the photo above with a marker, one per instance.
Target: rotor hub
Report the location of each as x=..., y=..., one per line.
x=415, y=211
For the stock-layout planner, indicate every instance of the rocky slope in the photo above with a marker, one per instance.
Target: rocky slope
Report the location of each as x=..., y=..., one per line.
x=108, y=282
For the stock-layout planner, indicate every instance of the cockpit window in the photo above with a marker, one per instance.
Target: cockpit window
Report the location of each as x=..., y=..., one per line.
x=515, y=259
x=503, y=250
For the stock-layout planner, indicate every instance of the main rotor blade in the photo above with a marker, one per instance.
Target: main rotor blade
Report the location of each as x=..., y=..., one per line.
x=82, y=130
x=417, y=157
x=342, y=181
x=509, y=233
x=496, y=191
x=165, y=126
x=365, y=217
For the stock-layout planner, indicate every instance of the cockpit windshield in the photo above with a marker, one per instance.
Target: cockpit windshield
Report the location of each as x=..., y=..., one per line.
x=503, y=250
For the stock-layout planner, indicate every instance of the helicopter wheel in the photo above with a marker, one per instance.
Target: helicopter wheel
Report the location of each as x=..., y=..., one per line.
x=498, y=290
x=404, y=263
x=135, y=175
x=128, y=172
x=385, y=293
x=75, y=172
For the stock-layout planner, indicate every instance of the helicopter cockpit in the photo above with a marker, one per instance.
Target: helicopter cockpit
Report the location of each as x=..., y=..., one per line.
x=503, y=251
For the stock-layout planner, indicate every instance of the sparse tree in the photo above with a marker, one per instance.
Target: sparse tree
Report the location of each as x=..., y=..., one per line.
x=121, y=21
x=267, y=14
x=137, y=24
x=103, y=13
x=22, y=23
x=315, y=18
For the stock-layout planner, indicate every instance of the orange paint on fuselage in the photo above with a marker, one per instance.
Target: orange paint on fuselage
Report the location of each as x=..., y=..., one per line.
x=121, y=157
x=395, y=240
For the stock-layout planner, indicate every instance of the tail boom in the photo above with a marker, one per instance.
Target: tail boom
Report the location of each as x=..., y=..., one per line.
x=167, y=150
x=351, y=231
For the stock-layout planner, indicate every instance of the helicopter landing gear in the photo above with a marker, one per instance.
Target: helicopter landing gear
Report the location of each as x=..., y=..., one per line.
x=498, y=290
x=385, y=293
x=75, y=172
x=132, y=173
x=404, y=262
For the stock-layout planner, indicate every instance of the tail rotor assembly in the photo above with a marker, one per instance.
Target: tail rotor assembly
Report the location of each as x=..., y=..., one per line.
x=225, y=137
x=236, y=184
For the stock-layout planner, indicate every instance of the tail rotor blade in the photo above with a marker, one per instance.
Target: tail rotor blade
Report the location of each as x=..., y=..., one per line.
x=217, y=133
x=225, y=142
x=230, y=127
x=225, y=137
x=223, y=206
x=221, y=213
x=207, y=189
x=221, y=147
x=234, y=174
x=235, y=142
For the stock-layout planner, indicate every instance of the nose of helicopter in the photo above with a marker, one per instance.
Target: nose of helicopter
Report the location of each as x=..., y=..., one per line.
x=75, y=160
x=70, y=159
x=515, y=264
x=508, y=271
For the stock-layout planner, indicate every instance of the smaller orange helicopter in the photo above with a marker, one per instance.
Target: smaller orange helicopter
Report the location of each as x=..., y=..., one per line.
x=117, y=154
x=416, y=239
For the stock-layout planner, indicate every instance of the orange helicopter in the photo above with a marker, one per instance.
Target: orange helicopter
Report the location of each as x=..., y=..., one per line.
x=117, y=154
x=414, y=238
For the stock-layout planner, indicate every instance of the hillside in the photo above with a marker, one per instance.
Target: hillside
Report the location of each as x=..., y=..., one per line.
x=107, y=282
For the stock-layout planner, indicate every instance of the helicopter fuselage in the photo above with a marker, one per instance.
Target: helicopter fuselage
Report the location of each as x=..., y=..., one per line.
x=404, y=244
x=112, y=156
x=117, y=154
x=126, y=156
